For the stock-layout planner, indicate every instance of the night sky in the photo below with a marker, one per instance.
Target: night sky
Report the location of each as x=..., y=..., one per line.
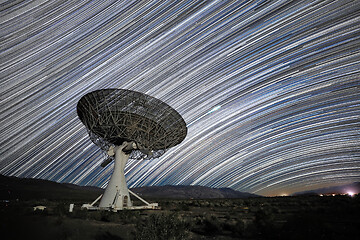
x=269, y=90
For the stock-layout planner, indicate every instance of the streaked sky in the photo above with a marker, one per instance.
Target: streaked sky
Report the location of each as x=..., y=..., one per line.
x=270, y=90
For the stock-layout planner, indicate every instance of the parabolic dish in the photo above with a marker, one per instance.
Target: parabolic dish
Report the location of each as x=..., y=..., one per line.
x=117, y=115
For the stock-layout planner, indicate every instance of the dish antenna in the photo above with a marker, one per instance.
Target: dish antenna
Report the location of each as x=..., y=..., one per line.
x=128, y=124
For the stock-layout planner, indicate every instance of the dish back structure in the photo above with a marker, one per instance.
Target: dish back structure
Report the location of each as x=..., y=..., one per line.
x=113, y=116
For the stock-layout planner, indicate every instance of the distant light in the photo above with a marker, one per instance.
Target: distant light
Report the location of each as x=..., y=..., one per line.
x=351, y=194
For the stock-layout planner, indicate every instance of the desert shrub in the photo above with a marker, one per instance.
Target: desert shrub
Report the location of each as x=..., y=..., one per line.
x=183, y=206
x=227, y=203
x=196, y=203
x=205, y=204
x=164, y=203
x=211, y=225
x=106, y=216
x=237, y=229
x=128, y=216
x=162, y=226
x=82, y=214
x=61, y=209
x=265, y=224
x=207, y=225
x=276, y=210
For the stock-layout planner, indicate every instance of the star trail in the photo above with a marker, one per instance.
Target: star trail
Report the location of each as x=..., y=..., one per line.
x=269, y=90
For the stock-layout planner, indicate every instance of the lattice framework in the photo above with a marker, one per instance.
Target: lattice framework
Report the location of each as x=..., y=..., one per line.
x=113, y=116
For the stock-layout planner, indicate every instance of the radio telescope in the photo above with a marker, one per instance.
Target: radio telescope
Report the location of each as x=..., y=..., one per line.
x=125, y=124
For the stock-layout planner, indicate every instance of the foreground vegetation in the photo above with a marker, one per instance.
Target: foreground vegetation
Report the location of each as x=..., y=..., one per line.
x=310, y=217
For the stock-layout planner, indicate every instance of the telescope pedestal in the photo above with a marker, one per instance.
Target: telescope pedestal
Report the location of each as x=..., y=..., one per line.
x=116, y=195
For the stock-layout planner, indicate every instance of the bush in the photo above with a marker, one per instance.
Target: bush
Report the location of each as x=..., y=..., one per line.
x=183, y=206
x=162, y=226
x=206, y=225
x=237, y=229
x=265, y=223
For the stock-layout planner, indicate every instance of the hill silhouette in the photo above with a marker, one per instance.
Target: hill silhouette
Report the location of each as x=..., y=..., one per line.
x=188, y=192
x=28, y=188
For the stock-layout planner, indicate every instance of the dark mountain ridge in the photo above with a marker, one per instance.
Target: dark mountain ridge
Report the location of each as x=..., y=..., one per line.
x=29, y=188
x=188, y=192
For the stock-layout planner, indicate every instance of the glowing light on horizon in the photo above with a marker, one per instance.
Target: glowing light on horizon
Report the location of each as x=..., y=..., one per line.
x=351, y=193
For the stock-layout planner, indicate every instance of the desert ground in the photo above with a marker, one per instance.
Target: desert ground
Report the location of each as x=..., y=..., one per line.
x=301, y=217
